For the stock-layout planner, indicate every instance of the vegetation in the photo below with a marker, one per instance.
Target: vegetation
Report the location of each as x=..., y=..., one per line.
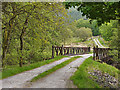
x=86, y=23
x=83, y=33
x=109, y=32
x=103, y=12
x=74, y=14
x=108, y=29
x=13, y=70
x=103, y=42
x=82, y=79
x=55, y=68
x=80, y=31
x=89, y=42
x=30, y=29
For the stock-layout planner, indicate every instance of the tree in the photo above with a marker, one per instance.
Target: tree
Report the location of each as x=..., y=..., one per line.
x=108, y=29
x=101, y=11
x=83, y=33
x=87, y=24
x=29, y=30
x=74, y=14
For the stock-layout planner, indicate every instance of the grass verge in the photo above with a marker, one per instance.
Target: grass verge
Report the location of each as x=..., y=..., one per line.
x=103, y=43
x=54, y=68
x=15, y=70
x=81, y=76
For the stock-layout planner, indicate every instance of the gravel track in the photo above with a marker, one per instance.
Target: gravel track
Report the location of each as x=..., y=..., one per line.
x=20, y=79
x=98, y=43
x=59, y=78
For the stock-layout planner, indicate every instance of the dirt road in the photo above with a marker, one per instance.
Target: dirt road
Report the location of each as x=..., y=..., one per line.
x=20, y=79
x=59, y=78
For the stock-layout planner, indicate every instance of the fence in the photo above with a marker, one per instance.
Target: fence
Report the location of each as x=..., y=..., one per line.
x=69, y=50
x=101, y=53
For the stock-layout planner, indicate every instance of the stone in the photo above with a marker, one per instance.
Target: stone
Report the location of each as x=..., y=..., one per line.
x=104, y=79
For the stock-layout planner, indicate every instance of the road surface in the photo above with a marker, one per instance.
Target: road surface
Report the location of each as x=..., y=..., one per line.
x=59, y=78
x=22, y=78
x=98, y=43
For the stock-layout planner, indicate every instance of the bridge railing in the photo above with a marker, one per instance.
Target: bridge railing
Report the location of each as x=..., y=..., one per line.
x=69, y=50
x=101, y=53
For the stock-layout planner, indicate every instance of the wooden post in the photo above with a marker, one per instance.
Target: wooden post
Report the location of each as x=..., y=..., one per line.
x=52, y=51
x=62, y=50
x=73, y=51
x=57, y=51
x=88, y=49
x=80, y=50
x=76, y=50
x=97, y=52
x=94, y=53
x=83, y=50
x=68, y=51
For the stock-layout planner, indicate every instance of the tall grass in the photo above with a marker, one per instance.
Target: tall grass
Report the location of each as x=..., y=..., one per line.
x=82, y=79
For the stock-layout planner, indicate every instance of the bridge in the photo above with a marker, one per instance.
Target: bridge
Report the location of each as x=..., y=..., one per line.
x=69, y=50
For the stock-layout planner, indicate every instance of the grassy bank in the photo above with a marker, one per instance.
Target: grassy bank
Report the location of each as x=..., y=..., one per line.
x=77, y=42
x=16, y=69
x=54, y=68
x=82, y=79
x=103, y=43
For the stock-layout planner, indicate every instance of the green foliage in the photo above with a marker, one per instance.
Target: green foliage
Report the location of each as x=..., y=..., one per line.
x=81, y=76
x=83, y=23
x=86, y=23
x=95, y=28
x=101, y=11
x=74, y=14
x=114, y=44
x=41, y=75
x=83, y=33
x=108, y=29
x=30, y=29
x=109, y=32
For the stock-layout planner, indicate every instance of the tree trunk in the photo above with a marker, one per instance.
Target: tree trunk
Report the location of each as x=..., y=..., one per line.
x=21, y=48
x=3, y=56
x=6, y=40
x=21, y=42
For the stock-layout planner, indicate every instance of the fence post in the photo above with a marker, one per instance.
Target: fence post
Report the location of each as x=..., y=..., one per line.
x=57, y=51
x=94, y=53
x=62, y=50
x=97, y=52
x=73, y=50
x=52, y=51
x=88, y=49
x=67, y=50
x=77, y=50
